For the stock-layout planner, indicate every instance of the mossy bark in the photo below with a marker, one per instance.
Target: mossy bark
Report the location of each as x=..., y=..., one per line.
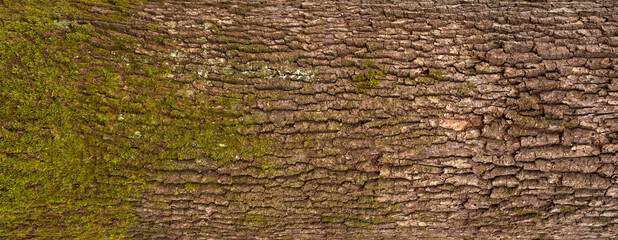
x=308, y=119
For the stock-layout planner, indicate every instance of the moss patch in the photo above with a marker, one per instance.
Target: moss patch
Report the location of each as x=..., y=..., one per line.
x=529, y=122
x=465, y=88
x=527, y=103
x=368, y=77
x=84, y=116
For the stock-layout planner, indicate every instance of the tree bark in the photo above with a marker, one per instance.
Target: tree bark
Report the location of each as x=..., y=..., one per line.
x=395, y=119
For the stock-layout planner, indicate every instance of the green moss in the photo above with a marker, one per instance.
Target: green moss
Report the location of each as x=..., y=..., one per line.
x=449, y=187
x=364, y=222
x=371, y=47
x=527, y=103
x=421, y=169
x=530, y=122
x=568, y=125
x=436, y=74
x=232, y=79
x=247, y=48
x=395, y=208
x=267, y=169
x=366, y=64
x=507, y=192
x=152, y=27
x=215, y=29
x=567, y=209
x=517, y=132
x=191, y=187
x=530, y=213
x=369, y=79
x=346, y=63
x=255, y=220
x=465, y=88
x=83, y=116
x=423, y=81
x=421, y=216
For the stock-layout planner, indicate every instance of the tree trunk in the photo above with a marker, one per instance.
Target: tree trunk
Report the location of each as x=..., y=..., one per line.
x=394, y=119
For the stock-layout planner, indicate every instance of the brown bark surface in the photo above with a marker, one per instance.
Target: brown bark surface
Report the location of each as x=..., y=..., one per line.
x=396, y=119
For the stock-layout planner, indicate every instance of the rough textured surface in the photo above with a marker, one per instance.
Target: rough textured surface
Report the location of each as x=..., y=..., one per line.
x=400, y=119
